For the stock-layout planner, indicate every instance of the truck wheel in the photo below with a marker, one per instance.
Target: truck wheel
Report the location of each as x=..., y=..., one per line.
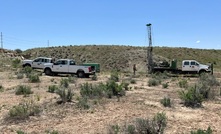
x=81, y=74
x=48, y=71
x=27, y=65
x=202, y=72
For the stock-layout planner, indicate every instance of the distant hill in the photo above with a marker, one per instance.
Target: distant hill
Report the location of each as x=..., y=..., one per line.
x=113, y=57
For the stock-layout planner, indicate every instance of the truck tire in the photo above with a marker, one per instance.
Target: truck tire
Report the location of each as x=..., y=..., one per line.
x=26, y=65
x=48, y=71
x=81, y=74
x=202, y=72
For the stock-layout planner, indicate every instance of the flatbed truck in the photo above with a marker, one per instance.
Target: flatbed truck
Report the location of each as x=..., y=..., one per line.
x=188, y=67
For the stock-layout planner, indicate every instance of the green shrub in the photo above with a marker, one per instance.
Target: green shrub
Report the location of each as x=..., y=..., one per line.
x=125, y=86
x=71, y=79
x=200, y=131
x=52, y=88
x=207, y=86
x=16, y=63
x=33, y=78
x=183, y=83
x=131, y=129
x=114, y=76
x=19, y=51
x=165, y=85
x=27, y=71
x=143, y=126
x=114, y=129
x=1, y=88
x=115, y=89
x=23, y=90
x=20, y=132
x=93, y=91
x=153, y=82
x=133, y=81
x=83, y=103
x=166, y=102
x=24, y=110
x=191, y=97
x=20, y=76
x=64, y=83
x=94, y=77
x=65, y=94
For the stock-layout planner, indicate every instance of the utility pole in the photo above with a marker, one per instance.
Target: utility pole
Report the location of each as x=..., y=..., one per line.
x=1, y=41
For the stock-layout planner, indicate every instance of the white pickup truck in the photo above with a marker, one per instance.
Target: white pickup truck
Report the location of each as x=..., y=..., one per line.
x=37, y=63
x=67, y=66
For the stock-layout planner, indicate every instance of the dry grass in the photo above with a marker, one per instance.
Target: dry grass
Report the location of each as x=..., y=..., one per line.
x=141, y=101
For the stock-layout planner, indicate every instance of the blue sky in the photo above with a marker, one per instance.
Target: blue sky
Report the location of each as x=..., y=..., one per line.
x=175, y=23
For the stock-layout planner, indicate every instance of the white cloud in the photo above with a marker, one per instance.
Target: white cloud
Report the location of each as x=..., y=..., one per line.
x=198, y=41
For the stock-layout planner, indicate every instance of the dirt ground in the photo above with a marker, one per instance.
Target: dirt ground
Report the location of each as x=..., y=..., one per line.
x=141, y=101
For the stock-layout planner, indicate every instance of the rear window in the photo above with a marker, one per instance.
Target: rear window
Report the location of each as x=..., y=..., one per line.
x=186, y=63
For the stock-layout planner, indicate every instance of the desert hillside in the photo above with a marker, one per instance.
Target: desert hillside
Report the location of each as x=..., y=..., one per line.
x=123, y=57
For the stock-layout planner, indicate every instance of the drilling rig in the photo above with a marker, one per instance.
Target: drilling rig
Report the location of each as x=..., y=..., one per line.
x=149, y=50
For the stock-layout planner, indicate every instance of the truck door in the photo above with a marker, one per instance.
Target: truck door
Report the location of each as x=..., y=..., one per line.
x=37, y=63
x=186, y=66
x=194, y=66
x=72, y=67
x=61, y=66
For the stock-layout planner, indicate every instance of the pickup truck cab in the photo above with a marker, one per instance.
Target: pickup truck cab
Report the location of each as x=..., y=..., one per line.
x=194, y=66
x=67, y=66
x=37, y=63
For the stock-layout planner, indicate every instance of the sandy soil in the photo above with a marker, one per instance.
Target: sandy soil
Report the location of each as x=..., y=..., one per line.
x=140, y=102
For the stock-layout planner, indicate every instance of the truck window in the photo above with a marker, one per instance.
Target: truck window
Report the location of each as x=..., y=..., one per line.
x=64, y=62
x=37, y=60
x=72, y=62
x=192, y=63
x=186, y=62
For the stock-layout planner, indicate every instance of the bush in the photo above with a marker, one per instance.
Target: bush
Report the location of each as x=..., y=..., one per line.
x=27, y=70
x=24, y=110
x=52, y=88
x=1, y=88
x=33, y=78
x=20, y=76
x=71, y=79
x=165, y=85
x=83, y=103
x=166, y=102
x=90, y=91
x=207, y=86
x=19, y=51
x=132, y=81
x=114, y=129
x=64, y=83
x=143, y=126
x=125, y=86
x=20, y=132
x=183, y=83
x=65, y=94
x=114, y=89
x=23, y=90
x=16, y=63
x=153, y=82
x=191, y=97
x=114, y=76
x=200, y=131
x=94, y=77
